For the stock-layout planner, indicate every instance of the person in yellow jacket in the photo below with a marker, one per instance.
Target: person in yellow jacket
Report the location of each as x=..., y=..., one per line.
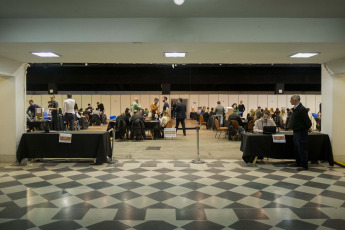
x=154, y=108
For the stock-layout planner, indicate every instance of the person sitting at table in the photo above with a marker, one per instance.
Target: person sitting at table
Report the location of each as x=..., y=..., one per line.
x=165, y=119
x=146, y=112
x=154, y=108
x=251, y=115
x=262, y=122
x=235, y=117
x=77, y=118
x=89, y=108
x=100, y=107
x=138, y=126
x=206, y=115
x=31, y=109
x=212, y=112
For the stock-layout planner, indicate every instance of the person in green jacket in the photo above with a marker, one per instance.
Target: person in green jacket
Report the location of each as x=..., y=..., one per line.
x=135, y=105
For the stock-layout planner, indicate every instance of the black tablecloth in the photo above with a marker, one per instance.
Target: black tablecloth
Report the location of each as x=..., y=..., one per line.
x=194, y=116
x=46, y=145
x=261, y=145
x=37, y=124
x=149, y=124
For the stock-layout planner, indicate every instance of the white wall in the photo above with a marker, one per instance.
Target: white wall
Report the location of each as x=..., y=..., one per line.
x=327, y=101
x=12, y=92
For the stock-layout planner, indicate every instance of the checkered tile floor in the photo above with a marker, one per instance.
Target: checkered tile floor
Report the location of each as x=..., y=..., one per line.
x=169, y=194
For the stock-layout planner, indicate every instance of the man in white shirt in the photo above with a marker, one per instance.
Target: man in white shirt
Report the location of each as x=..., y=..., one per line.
x=262, y=122
x=68, y=111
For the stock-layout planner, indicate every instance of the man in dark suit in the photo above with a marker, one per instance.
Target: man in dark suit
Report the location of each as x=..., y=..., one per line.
x=241, y=108
x=301, y=125
x=180, y=115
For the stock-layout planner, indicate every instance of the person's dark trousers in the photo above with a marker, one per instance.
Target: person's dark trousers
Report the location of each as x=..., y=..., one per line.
x=69, y=119
x=241, y=114
x=55, y=122
x=178, y=120
x=300, y=140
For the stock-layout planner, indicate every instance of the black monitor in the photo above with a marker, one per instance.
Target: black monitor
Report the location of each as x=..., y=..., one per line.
x=270, y=130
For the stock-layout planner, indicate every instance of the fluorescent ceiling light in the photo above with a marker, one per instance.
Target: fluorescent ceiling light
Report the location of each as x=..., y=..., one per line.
x=175, y=54
x=45, y=54
x=178, y=2
x=303, y=55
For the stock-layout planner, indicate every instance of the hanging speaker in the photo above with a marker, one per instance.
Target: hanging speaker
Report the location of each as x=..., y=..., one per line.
x=279, y=88
x=165, y=88
x=52, y=88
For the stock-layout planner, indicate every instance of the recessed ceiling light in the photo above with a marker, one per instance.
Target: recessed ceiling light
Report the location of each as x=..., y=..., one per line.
x=178, y=2
x=45, y=54
x=303, y=55
x=175, y=54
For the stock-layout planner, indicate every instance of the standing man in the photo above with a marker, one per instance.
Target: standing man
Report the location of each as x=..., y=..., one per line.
x=100, y=107
x=154, y=108
x=241, y=108
x=166, y=104
x=54, y=112
x=68, y=111
x=220, y=113
x=31, y=109
x=135, y=105
x=301, y=125
x=181, y=115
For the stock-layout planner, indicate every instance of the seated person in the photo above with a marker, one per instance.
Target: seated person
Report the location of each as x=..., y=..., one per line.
x=235, y=117
x=262, y=122
x=135, y=116
x=146, y=112
x=206, y=116
x=212, y=112
x=251, y=115
x=89, y=108
x=165, y=119
x=77, y=117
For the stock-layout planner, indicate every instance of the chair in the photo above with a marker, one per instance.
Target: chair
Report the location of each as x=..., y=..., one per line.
x=235, y=125
x=250, y=127
x=201, y=120
x=220, y=129
x=169, y=124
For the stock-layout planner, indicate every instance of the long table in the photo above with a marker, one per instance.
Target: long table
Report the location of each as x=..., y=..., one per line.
x=150, y=125
x=261, y=145
x=46, y=145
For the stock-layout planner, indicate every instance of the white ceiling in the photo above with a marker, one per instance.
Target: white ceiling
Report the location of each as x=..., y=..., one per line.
x=167, y=9
x=264, y=43
x=227, y=53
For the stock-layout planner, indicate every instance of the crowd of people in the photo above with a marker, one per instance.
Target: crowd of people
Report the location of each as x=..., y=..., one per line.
x=69, y=114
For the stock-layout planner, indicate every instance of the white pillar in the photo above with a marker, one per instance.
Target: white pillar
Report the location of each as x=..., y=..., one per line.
x=12, y=94
x=333, y=106
x=326, y=100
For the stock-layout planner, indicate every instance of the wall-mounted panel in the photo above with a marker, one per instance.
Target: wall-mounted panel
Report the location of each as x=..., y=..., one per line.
x=203, y=100
x=224, y=99
x=45, y=99
x=194, y=101
x=262, y=100
x=145, y=102
x=282, y=101
x=125, y=102
x=115, y=105
x=85, y=100
x=212, y=100
x=233, y=98
x=272, y=102
x=252, y=102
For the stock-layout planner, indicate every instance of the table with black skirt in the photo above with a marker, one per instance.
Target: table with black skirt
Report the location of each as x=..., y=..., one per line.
x=256, y=145
x=151, y=125
x=46, y=145
x=194, y=116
